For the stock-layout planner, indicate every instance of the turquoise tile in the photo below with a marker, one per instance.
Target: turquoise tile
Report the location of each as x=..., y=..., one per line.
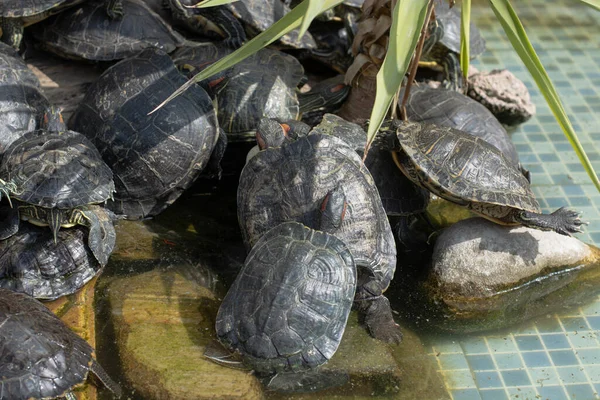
x=557, y=341
x=493, y=394
x=508, y=360
x=563, y=357
x=584, y=340
x=453, y=361
x=515, y=377
x=552, y=393
x=501, y=343
x=474, y=345
x=574, y=324
x=536, y=359
x=488, y=379
x=465, y=394
x=594, y=322
x=480, y=362
x=581, y=392
x=544, y=376
x=593, y=372
x=571, y=374
x=520, y=393
x=529, y=343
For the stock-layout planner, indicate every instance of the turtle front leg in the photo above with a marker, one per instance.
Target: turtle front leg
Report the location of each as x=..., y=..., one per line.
x=114, y=9
x=12, y=31
x=563, y=220
x=102, y=236
x=376, y=313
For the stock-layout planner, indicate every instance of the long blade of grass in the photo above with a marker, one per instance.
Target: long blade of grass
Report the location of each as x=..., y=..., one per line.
x=211, y=3
x=465, y=23
x=286, y=24
x=592, y=3
x=518, y=37
x=407, y=20
x=314, y=9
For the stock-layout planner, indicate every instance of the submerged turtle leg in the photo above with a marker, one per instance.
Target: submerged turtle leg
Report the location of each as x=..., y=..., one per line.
x=107, y=381
x=12, y=31
x=9, y=222
x=114, y=9
x=563, y=220
x=453, y=79
x=102, y=236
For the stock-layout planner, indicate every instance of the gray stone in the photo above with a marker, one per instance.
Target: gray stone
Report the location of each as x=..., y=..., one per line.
x=484, y=275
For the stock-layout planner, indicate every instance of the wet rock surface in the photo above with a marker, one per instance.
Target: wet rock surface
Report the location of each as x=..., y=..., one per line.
x=484, y=275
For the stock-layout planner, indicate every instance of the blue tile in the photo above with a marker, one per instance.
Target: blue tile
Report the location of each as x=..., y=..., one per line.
x=580, y=392
x=556, y=341
x=493, y=394
x=487, y=379
x=573, y=190
x=465, y=394
x=515, y=378
x=589, y=356
x=574, y=324
x=536, y=359
x=548, y=157
x=474, y=346
x=552, y=393
x=571, y=375
x=480, y=362
x=529, y=343
x=508, y=360
x=594, y=322
x=453, y=361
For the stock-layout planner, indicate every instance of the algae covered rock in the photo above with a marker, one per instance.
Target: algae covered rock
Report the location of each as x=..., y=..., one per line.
x=484, y=275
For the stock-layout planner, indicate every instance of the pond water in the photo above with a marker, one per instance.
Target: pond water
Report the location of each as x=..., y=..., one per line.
x=155, y=316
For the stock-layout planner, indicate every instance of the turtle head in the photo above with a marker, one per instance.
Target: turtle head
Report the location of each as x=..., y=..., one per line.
x=53, y=121
x=333, y=210
x=271, y=133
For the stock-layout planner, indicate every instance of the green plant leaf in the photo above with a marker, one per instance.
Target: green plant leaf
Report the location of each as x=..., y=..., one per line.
x=407, y=21
x=211, y=3
x=287, y=23
x=592, y=3
x=518, y=38
x=465, y=23
x=314, y=9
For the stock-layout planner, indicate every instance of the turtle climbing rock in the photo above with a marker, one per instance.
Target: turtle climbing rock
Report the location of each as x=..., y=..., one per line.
x=32, y=262
x=106, y=39
x=56, y=177
x=154, y=157
x=289, y=183
x=40, y=357
x=470, y=172
x=288, y=307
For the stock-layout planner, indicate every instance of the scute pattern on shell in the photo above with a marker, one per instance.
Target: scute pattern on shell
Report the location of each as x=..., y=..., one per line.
x=40, y=357
x=31, y=263
x=26, y=8
x=289, y=183
x=57, y=170
x=465, y=167
x=153, y=158
x=86, y=31
x=288, y=307
x=450, y=19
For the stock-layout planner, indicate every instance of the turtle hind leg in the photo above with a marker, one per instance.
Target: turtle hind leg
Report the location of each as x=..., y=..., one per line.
x=101, y=375
x=102, y=236
x=376, y=314
x=563, y=221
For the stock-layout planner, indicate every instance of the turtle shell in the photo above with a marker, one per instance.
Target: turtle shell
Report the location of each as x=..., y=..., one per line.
x=40, y=357
x=32, y=263
x=249, y=93
x=27, y=8
x=21, y=103
x=258, y=15
x=289, y=183
x=289, y=305
x=56, y=170
x=455, y=110
x=463, y=168
x=154, y=157
x=449, y=18
x=105, y=39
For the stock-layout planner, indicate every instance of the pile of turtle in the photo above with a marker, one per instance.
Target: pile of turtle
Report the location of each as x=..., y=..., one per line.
x=314, y=220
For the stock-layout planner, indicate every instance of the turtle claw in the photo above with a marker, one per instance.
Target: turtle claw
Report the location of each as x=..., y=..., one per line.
x=380, y=322
x=102, y=236
x=567, y=221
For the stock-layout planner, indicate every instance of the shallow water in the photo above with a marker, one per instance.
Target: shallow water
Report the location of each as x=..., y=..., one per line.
x=556, y=356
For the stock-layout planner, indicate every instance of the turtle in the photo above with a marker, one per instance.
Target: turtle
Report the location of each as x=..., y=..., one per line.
x=15, y=15
x=215, y=22
x=442, y=45
x=154, y=157
x=105, y=39
x=40, y=357
x=56, y=177
x=450, y=108
x=22, y=103
x=245, y=93
x=287, y=309
x=289, y=183
x=32, y=262
x=470, y=172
